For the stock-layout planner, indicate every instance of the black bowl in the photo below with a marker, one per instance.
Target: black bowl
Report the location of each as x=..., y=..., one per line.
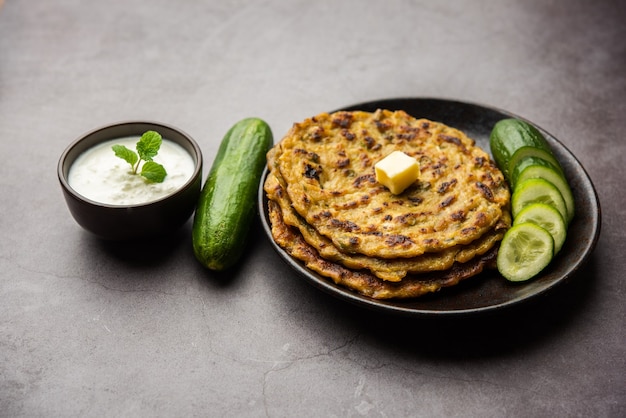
x=117, y=222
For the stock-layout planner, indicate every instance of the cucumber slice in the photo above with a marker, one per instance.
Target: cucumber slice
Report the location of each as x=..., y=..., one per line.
x=533, y=168
x=525, y=251
x=537, y=191
x=546, y=217
x=530, y=151
x=536, y=164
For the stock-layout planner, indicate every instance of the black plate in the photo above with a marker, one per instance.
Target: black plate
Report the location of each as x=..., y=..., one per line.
x=487, y=291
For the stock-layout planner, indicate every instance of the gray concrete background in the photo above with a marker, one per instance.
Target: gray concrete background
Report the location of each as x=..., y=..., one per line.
x=94, y=329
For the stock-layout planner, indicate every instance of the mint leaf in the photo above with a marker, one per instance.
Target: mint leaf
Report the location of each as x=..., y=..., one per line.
x=154, y=172
x=126, y=154
x=149, y=144
x=147, y=148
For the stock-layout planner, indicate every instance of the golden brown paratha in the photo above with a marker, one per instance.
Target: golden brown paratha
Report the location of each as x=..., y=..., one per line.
x=362, y=281
x=386, y=269
x=327, y=163
x=327, y=209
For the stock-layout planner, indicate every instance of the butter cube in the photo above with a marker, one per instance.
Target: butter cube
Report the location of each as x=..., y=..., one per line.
x=397, y=171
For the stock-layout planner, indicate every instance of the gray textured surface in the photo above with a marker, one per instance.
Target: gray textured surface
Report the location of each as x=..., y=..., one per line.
x=93, y=329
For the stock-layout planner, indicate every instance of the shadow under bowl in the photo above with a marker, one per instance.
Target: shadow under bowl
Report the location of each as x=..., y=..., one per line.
x=127, y=222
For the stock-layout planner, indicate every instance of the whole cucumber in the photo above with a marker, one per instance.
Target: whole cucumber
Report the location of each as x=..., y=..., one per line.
x=226, y=205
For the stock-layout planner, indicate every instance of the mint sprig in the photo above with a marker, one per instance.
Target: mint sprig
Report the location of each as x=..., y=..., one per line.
x=147, y=148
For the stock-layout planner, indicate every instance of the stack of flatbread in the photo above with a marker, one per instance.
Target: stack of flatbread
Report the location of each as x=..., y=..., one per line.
x=327, y=209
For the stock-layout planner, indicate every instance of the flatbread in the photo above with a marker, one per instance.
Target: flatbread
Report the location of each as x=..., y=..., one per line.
x=363, y=282
x=386, y=269
x=327, y=163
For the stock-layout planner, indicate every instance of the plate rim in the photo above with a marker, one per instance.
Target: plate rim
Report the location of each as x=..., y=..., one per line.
x=354, y=298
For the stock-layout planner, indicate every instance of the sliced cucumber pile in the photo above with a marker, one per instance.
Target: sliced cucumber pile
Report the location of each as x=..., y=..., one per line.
x=542, y=204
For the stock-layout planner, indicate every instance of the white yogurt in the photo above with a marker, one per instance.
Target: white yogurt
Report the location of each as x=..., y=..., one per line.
x=98, y=174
